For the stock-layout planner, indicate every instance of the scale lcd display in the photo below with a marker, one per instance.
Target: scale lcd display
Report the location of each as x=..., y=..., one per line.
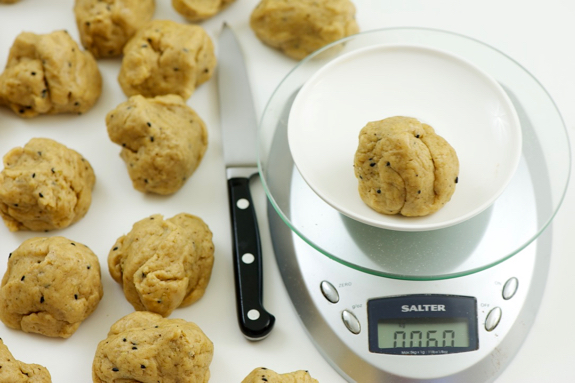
x=423, y=332
x=424, y=324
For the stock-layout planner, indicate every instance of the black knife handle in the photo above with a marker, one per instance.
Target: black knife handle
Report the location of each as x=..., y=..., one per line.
x=255, y=322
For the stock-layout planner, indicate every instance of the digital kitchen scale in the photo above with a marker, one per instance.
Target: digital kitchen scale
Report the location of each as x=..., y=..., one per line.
x=453, y=304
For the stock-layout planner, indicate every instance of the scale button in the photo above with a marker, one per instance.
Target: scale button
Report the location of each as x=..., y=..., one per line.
x=493, y=319
x=351, y=321
x=510, y=288
x=329, y=292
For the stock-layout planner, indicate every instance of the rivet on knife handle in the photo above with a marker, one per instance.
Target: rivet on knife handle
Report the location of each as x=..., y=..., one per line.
x=255, y=322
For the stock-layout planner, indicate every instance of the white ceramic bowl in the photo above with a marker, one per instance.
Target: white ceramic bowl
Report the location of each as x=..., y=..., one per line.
x=460, y=101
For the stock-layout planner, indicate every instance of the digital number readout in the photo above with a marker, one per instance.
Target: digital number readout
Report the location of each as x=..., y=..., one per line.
x=423, y=333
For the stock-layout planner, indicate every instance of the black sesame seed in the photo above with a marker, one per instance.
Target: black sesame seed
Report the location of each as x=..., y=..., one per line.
x=42, y=299
x=89, y=267
x=53, y=171
x=75, y=296
x=378, y=191
x=123, y=340
x=72, y=243
x=33, y=73
x=23, y=276
x=115, y=248
x=134, y=348
x=115, y=369
x=456, y=179
x=206, y=70
x=148, y=123
x=372, y=164
x=146, y=180
x=152, y=138
x=41, y=195
x=144, y=45
x=15, y=205
x=33, y=175
x=417, y=136
x=388, y=164
x=9, y=255
x=419, y=192
x=21, y=111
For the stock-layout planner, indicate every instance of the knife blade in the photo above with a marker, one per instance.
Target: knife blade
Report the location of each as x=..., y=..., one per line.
x=239, y=131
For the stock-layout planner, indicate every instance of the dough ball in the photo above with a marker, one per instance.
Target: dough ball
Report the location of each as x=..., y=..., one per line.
x=14, y=371
x=403, y=167
x=105, y=26
x=50, y=286
x=49, y=74
x=163, y=264
x=165, y=57
x=144, y=347
x=198, y=10
x=163, y=141
x=44, y=186
x=300, y=27
x=262, y=374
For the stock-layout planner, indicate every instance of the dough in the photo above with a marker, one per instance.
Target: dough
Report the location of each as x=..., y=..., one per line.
x=44, y=186
x=163, y=141
x=51, y=285
x=163, y=264
x=403, y=167
x=165, y=57
x=198, y=10
x=300, y=27
x=105, y=26
x=49, y=74
x=144, y=347
x=262, y=374
x=14, y=371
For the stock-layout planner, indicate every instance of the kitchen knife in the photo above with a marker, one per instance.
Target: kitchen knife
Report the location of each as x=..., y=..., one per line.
x=239, y=125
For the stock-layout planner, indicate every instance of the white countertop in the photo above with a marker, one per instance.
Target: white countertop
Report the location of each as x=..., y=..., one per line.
x=538, y=35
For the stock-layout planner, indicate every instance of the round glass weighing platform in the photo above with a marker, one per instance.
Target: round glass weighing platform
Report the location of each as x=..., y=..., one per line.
x=517, y=218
